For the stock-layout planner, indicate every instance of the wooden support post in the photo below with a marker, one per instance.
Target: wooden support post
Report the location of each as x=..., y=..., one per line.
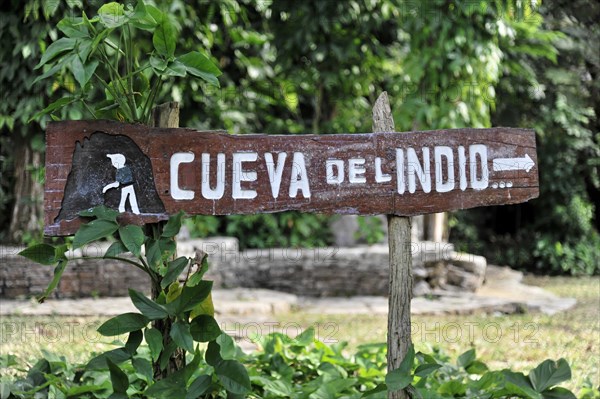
x=400, y=291
x=165, y=115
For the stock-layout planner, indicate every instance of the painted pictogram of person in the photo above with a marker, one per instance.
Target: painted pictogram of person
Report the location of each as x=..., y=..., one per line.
x=123, y=179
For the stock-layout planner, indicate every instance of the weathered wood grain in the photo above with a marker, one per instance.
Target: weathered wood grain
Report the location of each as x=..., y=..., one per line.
x=157, y=145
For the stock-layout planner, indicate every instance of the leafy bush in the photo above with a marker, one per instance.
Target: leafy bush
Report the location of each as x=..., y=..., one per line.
x=284, y=367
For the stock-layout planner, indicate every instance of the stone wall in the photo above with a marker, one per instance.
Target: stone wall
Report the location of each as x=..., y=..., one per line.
x=327, y=271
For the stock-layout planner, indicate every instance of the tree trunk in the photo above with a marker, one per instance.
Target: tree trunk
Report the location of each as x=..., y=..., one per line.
x=27, y=212
x=166, y=115
x=399, y=238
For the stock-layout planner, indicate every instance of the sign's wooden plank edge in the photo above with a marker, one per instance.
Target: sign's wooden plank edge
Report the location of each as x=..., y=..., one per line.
x=524, y=186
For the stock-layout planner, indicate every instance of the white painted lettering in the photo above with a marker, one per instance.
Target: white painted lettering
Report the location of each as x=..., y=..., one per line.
x=400, y=170
x=356, y=170
x=299, y=179
x=332, y=176
x=176, y=160
x=207, y=191
x=422, y=171
x=380, y=177
x=240, y=175
x=440, y=152
x=275, y=171
x=462, y=167
x=483, y=181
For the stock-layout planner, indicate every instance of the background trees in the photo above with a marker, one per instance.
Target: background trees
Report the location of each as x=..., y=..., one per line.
x=299, y=67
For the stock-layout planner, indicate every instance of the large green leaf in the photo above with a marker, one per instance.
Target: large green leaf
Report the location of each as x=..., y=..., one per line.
x=118, y=378
x=466, y=358
x=83, y=72
x=173, y=225
x=117, y=356
x=180, y=332
x=154, y=339
x=100, y=212
x=61, y=102
x=73, y=27
x=44, y=254
x=164, y=38
x=123, y=323
x=559, y=393
x=190, y=297
x=401, y=377
x=233, y=376
x=116, y=248
x=153, y=254
x=92, y=231
x=169, y=388
x=133, y=238
x=199, y=386
x=133, y=341
x=549, y=373
x=149, y=308
x=174, y=270
x=204, y=328
x=175, y=68
x=57, y=48
x=112, y=15
x=200, y=65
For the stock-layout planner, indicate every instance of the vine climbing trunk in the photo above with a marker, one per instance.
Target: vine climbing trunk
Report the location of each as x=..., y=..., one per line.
x=164, y=115
x=400, y=280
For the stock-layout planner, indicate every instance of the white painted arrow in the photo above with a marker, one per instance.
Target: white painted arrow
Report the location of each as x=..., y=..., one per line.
x=502, y=164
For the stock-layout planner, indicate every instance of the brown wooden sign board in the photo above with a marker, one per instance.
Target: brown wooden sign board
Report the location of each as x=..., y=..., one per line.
x=151, y=173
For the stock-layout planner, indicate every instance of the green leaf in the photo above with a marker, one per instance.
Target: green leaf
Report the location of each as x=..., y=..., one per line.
x=123, y=323
x=202, y=269
x=100, y=212
x=549, y=373
x=42, y=253
x=164, y=38
x=477, y=367
x=380, y=391
x=112, y=15
x=518, y=384
x=306, y=338
x=174, y=68
x=118, y=378
x=199, y=386
x=149, y=308
x=174, y=270
x=213, y=354
x=57, y=48
x=401, y=377
x=133, y=238
x=173, y=225
x=280, y=388
x=154, y=339
x=180, y=332
x=58, y=272
x=61, y=102
x=141, y=18
x=116, y=248
x=168, y=388
x=227, y=349
x=206, y=307
x=466, y=358
x=204, y=328
x=201, y=66
x=558, y=393
x=423, y=370
x=158, y=64
x=153, y=254
x=73, y=27
x=133, y=341
x=117, y=356
x=233, y=376
x=81, y=72
x=93, y=231
x=190, y=297
x=143, y=367
x=453, y=388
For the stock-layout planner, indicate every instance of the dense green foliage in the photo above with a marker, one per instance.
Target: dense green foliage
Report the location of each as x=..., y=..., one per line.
x=284, y=367
x=561, y=100
x=293, y=67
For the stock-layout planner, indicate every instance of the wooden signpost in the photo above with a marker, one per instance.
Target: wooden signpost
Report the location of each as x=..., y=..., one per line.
x=150, y=173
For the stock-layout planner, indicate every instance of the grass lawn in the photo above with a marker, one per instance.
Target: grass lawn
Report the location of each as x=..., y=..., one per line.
x=516, y=341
